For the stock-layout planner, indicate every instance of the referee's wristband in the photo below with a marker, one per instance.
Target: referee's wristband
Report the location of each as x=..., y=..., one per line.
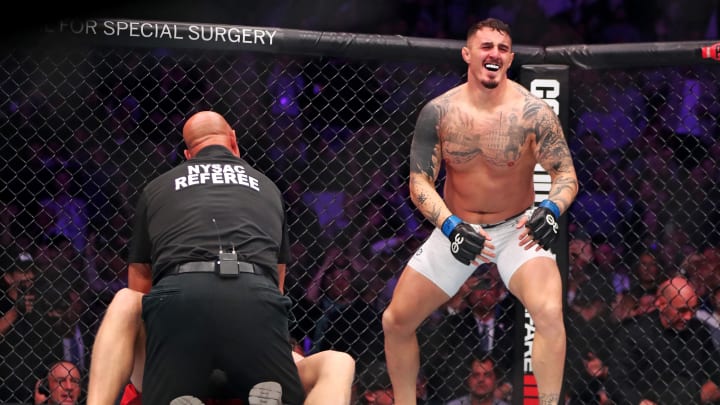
x=450, y=223
x=551, y=206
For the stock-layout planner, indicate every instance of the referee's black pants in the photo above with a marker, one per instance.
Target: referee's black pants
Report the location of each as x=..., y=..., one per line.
x=200, y=326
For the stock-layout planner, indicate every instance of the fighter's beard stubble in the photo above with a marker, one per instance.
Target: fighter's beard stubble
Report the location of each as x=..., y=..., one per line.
x=489, y=84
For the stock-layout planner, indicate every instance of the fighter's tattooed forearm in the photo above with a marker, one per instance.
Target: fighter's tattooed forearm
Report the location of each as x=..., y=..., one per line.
x=563, y=192
x=434, y=216
x=431, y=212
x=549, y=399
x=422, y=198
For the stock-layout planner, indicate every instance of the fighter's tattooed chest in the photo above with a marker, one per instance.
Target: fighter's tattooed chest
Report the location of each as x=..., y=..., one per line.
x=498, y=137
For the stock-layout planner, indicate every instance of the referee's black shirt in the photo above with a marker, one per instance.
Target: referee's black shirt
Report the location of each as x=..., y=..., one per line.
x=212, y=200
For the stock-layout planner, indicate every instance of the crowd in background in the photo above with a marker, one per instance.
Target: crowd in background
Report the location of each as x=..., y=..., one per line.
x=546, y=23
x=335, y=138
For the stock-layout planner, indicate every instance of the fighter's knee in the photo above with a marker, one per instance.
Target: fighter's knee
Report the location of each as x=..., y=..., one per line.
x=548, y=316
x=344, y=361
x=127, y=293
x=127, y=300
x=391, y=323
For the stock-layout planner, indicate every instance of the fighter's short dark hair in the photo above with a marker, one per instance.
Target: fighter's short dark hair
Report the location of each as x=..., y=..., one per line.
x=494, y=23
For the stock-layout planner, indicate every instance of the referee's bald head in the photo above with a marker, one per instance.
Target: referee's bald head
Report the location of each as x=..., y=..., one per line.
x=206, y=128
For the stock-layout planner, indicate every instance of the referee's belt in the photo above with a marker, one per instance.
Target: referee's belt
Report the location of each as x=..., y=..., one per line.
x=224, y=269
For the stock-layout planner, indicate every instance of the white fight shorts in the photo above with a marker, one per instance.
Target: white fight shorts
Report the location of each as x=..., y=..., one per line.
x=435, y=261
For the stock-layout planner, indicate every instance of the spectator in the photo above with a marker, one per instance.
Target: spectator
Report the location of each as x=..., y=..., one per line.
x=580, y=256
x=646, y=275
x=13, y=240
x=356, y=329
x=61, y=386
x=665, y=356
x=674, y=245
x=481, y=384
x=107, y=271
x=59, y=335
x=17, y=297
x=374, y=226
x=625, y=307
x=453, y=306
x=375, y=230
x=590, y=330
x=305, y=230
x=331, y=291
x=491, y=306
x=374, y=387
x=482, y=325
x=325, y=190
x=680, y=23
x=17, y=316
x=646, y=223
x=49, y=330
x=703, y=276
x=105, y=274
x=602, y=207
x=611, y=120
x=65, y=210
x=619, y=28
x=711, y=318
x=607, y=274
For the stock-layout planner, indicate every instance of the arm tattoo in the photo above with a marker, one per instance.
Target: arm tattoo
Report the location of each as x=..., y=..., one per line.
x=425, y=154
x=553, y=152
x=549, y=399
x=561, y=187
x=428, y=205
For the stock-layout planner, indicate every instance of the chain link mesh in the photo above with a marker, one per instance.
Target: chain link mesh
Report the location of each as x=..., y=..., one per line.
x=85, y=130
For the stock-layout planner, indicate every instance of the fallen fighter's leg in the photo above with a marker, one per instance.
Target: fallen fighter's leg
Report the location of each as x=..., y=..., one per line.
x=118, y=359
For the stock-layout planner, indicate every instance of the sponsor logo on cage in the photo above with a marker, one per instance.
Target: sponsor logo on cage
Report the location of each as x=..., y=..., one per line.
x=548, y=90
x=528, y=343
x=216, y=174
x=159, y=30
x=531, y=395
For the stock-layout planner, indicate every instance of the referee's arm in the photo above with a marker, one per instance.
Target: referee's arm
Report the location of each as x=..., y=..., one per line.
x=140, y=277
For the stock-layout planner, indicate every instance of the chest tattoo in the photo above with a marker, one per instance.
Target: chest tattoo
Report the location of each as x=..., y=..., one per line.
x=497, y=138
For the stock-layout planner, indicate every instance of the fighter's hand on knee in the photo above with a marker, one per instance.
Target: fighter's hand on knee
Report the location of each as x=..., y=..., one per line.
x=465, y=243
x=543, y=224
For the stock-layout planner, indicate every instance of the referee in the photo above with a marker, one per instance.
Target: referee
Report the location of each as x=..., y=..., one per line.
x=210, y=244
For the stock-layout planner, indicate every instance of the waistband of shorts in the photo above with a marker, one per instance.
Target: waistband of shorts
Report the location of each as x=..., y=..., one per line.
x=504, y=221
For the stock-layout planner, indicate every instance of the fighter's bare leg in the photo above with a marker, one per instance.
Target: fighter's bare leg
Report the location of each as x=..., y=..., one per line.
x=136, y=377
x=538, y=286
x=414, y=299
x=327, y=377
x=113, y=353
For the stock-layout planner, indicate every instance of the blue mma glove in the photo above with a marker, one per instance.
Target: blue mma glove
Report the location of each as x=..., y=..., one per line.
x=543, y=224
x=465, y=242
